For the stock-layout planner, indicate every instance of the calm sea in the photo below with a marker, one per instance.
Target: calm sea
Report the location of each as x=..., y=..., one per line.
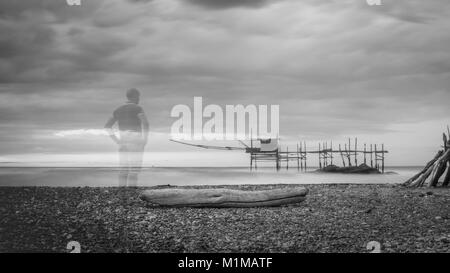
x=107, y=176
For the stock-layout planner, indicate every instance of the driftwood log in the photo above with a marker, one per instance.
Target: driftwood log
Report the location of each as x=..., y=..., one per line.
x=434, y=169
x=224, y=197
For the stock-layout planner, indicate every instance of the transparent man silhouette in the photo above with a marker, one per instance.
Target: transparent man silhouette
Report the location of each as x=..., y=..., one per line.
x=133, y=135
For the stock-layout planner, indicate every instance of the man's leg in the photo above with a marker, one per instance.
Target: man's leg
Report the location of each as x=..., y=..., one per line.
x=135, y=161
x=123, y=165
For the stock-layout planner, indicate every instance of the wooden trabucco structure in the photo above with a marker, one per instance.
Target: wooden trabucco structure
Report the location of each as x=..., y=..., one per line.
x=268, y=150
x=347, y=154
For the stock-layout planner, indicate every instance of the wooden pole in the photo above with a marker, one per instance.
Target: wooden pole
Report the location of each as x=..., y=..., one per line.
x=281, y=158
x=439, y=169
x=287, y=158
x=376, y=157
x=301, y=156
x=298, y=158
x=277, y=164
x=356, y=153
x=447, y=176
x=382, y=159
x=320, y=159
x=448, y=132
x=303, y=159
x=446, y=140
x=345, y=151
x=305, y=154
x=331, y=153
x=371, y=155
x=421, y=180
x=342, y=156
x=251, y=151
x=349, y=153
x=429, y=164
x=365, y=151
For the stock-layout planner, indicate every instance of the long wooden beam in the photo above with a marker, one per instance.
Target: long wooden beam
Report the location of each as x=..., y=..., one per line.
x=224, y=197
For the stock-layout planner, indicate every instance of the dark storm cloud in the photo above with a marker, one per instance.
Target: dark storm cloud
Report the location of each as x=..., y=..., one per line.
x=334, y=67
x=56, y=11
x=34, y=47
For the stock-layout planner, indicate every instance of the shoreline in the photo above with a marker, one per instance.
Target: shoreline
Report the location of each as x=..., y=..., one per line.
x=334, y=218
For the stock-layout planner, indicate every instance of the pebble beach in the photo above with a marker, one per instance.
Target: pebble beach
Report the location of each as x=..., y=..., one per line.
x=334, y=218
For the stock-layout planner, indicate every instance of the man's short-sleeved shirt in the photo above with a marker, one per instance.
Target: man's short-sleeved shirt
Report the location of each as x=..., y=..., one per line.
x=127, y=117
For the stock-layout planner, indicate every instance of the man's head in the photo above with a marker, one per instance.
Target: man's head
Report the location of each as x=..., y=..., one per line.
x=133, y=95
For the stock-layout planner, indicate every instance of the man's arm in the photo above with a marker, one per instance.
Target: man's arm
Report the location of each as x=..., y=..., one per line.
x=144, y=126
x=108, y=126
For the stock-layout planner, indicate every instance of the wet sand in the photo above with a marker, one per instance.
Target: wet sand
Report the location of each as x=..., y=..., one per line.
x=334, y=218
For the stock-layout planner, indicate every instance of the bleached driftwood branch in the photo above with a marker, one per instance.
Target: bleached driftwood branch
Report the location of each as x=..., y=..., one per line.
x=434, y=169
x=224, y=197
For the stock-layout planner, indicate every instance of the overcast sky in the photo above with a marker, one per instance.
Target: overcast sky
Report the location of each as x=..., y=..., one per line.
x=337, y=68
